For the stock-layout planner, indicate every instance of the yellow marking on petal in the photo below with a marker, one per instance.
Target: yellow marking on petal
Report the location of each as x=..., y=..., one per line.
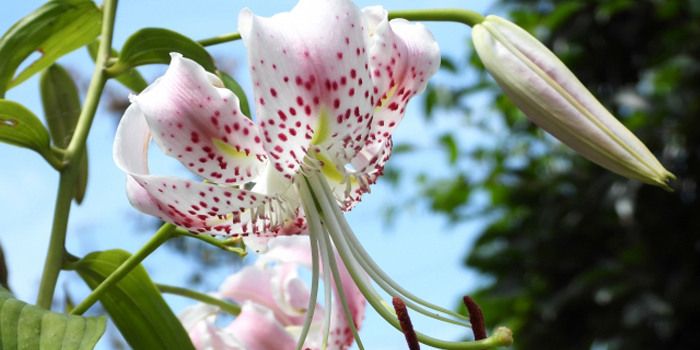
x=330, y=171
x=321, y=131
x=213, y=221
x=226, y=148
x=388, y=96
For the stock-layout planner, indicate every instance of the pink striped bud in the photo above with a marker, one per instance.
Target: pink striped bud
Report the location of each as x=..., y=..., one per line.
x=552, y=97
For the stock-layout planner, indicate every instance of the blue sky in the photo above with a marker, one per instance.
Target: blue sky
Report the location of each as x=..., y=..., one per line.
x=420, y=251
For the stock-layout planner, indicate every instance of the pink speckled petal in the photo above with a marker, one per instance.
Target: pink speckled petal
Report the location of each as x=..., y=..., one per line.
x=201, y=125
x=258, y=329
x=196, y=206
x=199, y=207
x=403, y=56
x=311, y=80
x=198, y=322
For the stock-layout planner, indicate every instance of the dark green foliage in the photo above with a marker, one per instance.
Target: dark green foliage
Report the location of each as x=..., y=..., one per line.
x=581, y=258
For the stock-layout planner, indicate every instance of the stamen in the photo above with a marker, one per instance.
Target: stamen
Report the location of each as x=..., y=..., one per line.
x=341, y=291
x=327, y=213
x=313, y=221
x=379, y=276
x=476, y=317
x=406, y=326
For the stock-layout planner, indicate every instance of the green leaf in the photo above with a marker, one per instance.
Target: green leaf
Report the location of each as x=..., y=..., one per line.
x=132, y=79
x=154, y=45
x=27, y=327
x=55, y=29
x=134, y=303
x=61, y=101
x=3, y=270
x=233, y=85
x=448, y=65
x=450, y=145
x=20, y=127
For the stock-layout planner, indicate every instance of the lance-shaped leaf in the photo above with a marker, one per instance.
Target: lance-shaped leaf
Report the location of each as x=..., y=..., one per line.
x=154, y=45
x=134, y=303
x=55, y=29
x=132, y=79
x=552, y=97
x=61, y=101
x=20, y=127
x=27, y=327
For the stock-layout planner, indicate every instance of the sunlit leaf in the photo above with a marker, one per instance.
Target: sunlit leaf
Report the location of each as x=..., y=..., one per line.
x=27, y=327
x=134, y=303
x=61, y=101
x=55, y=29
x=20, y=127
x=132, y=79
x=154, y=45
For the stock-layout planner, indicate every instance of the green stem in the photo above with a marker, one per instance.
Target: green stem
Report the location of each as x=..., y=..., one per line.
x=227, y=307
x=52, y=157
x=166, y=232
x=55, y=256
x=69, y=169
x=467, y=17
x=232, y=244
x=97, y=84
x=220, y=39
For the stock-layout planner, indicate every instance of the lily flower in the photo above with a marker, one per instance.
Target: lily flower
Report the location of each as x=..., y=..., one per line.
x=330, y=88
x=275, y=302
x=552, y=97
x=331, y=84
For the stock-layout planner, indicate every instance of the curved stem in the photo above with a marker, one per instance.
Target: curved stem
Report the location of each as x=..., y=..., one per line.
x=69, y=169
x=165, y=233
x=231, y=244
x=220, y=39
x=230, y=308
x=467, y=17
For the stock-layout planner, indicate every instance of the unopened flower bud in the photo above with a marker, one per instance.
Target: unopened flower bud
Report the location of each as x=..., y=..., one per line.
x=552, y=97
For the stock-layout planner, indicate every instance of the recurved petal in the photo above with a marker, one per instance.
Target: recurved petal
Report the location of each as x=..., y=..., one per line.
x=258, y=329
x=311, y=80
x=367, y=166
x=552, y=97
x=403, y=56
x=196, y=121
x=198, y=207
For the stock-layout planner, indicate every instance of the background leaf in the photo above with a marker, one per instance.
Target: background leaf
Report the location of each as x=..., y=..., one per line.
x=154, y=45
x=134, y=304
x=27, y=327
x=54, y=29
x=20, y=127
x=233, y=85
x=59, y=96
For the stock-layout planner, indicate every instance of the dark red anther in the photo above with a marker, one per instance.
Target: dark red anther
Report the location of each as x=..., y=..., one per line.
x=405, y=321
x=476, y=318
